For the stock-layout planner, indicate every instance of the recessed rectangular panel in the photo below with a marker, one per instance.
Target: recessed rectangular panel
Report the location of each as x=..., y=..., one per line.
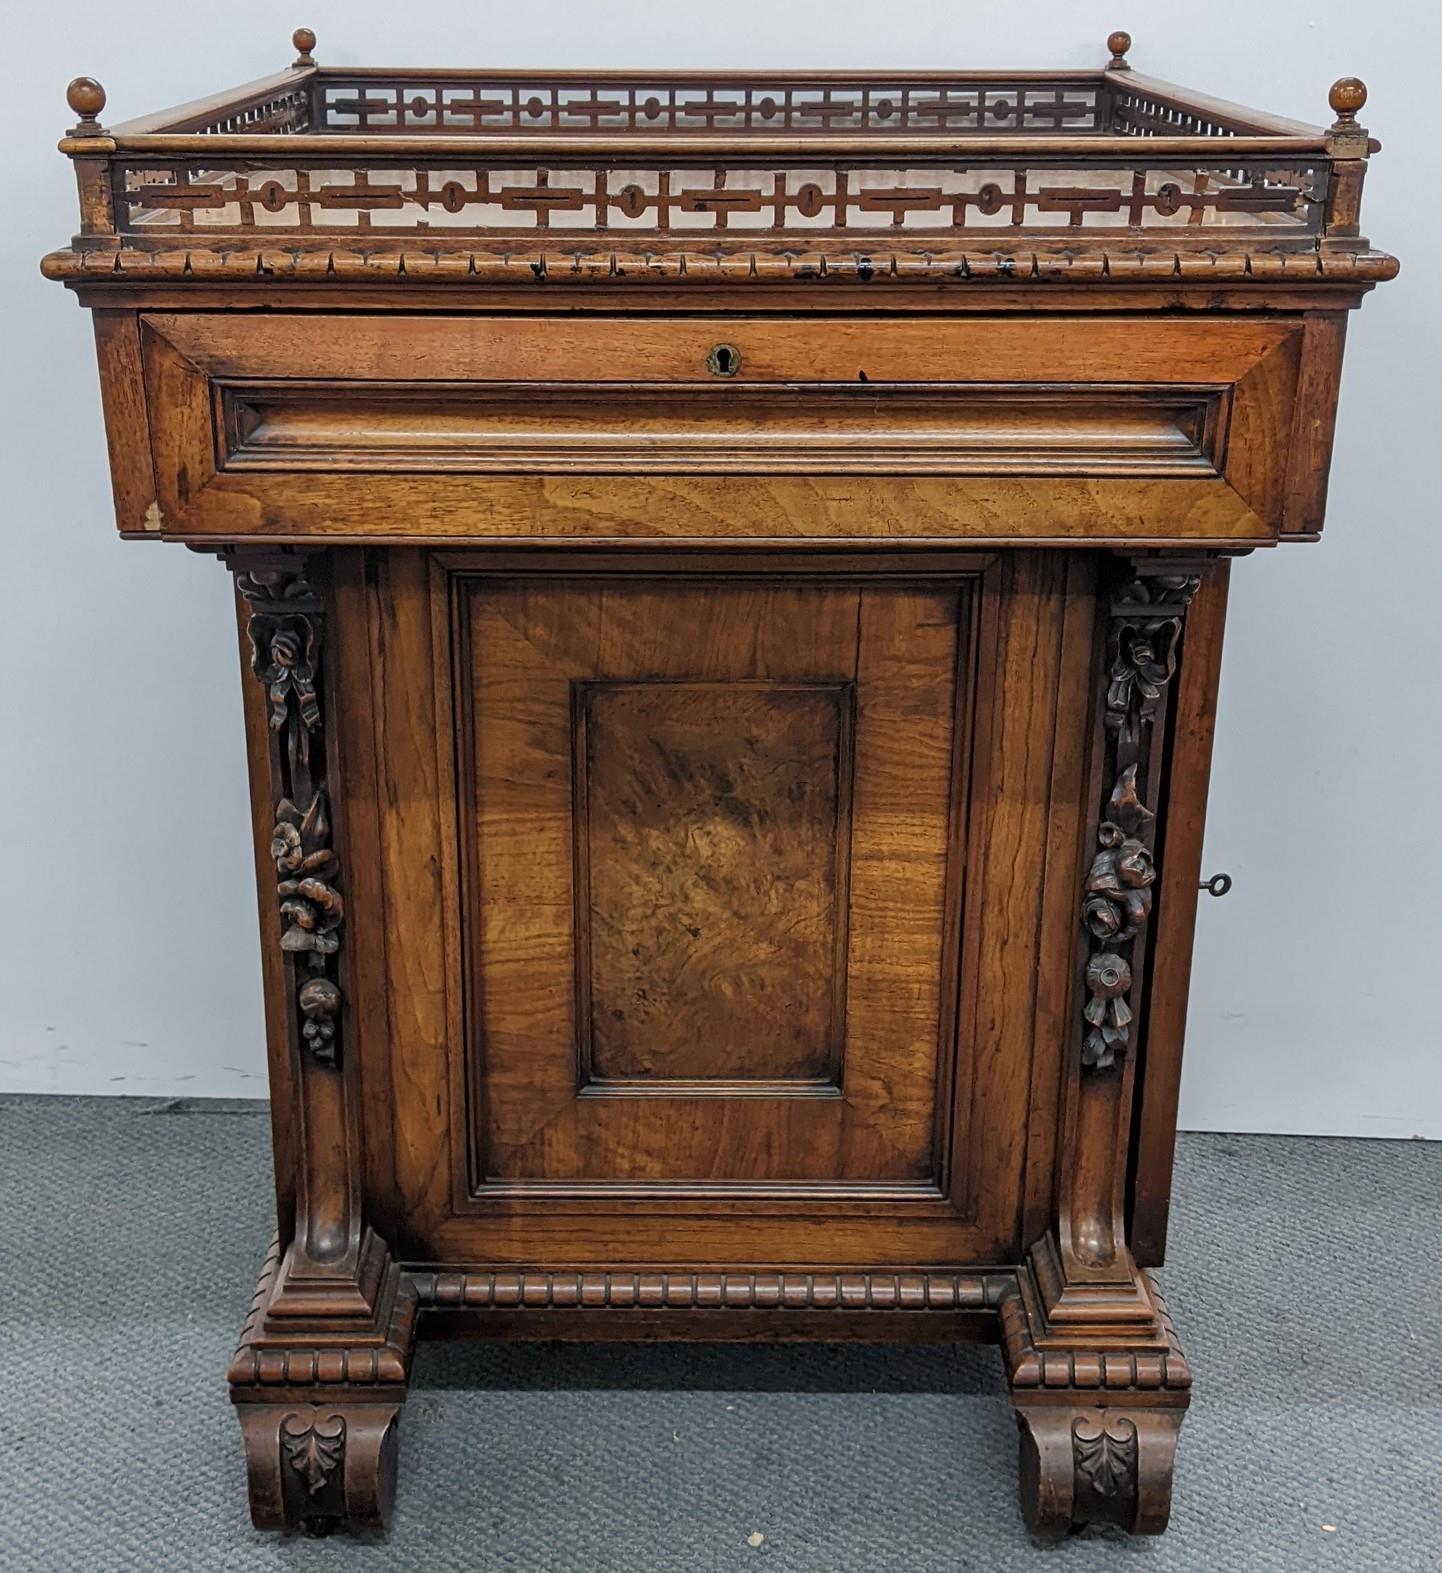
x=712, y=845
x=941, y=428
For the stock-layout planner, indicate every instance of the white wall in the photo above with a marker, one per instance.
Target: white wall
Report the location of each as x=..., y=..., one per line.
x=127, y=931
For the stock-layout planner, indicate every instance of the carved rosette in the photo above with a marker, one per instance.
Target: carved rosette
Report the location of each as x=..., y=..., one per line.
x=286, y=631
x=1144, y=625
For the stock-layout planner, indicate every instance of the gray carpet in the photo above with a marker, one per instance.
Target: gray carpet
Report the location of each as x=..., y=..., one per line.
x=1315, y=1332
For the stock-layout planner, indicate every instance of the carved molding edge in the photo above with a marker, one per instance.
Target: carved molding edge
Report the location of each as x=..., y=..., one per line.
x=1095, y=264
x=1144, y=625
x=310, y=1362
x=286, y=629
x=1122, y=1369
x=747, y=1291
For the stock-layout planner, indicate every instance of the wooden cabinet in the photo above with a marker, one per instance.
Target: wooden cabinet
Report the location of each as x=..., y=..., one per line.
x=733, y=573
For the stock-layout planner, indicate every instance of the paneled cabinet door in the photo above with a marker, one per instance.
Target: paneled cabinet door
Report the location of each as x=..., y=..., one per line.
x=713, y=880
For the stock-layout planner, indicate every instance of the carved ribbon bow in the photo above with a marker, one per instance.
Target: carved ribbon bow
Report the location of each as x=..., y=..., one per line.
x=283, y=658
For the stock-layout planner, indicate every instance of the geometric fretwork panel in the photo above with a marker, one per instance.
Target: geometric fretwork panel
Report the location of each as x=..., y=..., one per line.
x=697, y=197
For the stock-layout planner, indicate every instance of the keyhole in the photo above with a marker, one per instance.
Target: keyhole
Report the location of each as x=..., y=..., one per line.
x=724, y=360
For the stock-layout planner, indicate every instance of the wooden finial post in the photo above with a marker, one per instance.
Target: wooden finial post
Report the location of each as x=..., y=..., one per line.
x=1345, y=138
x=86, y=98
x=1119, y=43
x=1348, y=95
x=1348, y=145
x=304, y=41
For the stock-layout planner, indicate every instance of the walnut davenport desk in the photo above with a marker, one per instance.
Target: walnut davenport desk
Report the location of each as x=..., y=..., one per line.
x=733, y=570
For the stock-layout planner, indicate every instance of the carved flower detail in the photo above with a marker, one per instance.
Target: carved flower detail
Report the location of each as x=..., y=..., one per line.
x=1102, y=917
x=1108, y=1016
x=320, y=1001
x=310, y=905
x=285, y=844
x=1134, y=865
x=1118, y=890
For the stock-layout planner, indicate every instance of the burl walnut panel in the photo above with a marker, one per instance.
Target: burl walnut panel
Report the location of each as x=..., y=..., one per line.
x=713, y=844
x=731, y=571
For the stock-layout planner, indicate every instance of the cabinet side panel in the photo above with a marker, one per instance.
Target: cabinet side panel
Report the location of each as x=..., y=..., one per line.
x=1315, y=422
x=1180, y=833
x=284, y=1113
x=353, y=729
x=127, y=423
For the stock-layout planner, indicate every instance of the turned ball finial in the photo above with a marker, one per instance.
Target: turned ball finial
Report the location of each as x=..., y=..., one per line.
x=1119, y=43
x=304, y=41
x=1347, y=97
x=86, y=98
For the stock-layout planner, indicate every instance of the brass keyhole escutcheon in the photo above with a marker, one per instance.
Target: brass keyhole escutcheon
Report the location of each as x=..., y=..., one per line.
x=724, y=361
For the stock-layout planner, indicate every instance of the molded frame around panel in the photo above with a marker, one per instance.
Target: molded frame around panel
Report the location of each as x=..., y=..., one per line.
x=522, y=646
x=1252, y=361
x=690, y=428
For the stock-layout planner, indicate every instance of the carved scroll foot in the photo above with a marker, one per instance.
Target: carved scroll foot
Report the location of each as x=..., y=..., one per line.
x=1099, y=1407
x=1096, y=1465
x=318, y=1397
x=320, y=1467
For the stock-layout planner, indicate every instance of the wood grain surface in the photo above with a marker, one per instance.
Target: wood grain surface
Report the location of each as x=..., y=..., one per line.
x=370, y=427
x=707, y=787
x=713, y=831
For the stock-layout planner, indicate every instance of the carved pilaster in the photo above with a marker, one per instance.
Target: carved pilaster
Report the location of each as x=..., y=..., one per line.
x=1087, y=1281
x=1144, y=624
x=287, y=637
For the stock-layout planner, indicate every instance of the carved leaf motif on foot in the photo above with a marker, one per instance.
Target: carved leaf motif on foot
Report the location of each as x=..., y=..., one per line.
x=315, y=1453
x=1106, y=1458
